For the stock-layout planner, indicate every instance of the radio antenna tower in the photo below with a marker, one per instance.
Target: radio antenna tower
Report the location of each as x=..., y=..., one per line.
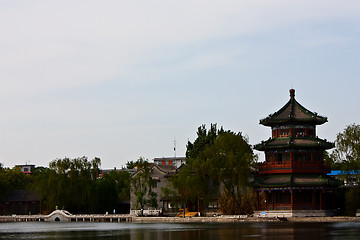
x=175, y=143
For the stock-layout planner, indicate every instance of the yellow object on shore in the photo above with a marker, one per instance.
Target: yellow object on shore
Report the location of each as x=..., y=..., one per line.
x=187, y=213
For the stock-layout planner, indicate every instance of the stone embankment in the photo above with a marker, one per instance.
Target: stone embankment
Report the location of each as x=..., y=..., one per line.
x=233, y=219
x=64, y=216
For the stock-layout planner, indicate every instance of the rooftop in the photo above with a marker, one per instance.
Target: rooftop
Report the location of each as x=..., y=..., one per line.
x=293, y=113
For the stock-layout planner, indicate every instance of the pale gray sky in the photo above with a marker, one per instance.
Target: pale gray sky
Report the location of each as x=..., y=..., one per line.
x=122, y=79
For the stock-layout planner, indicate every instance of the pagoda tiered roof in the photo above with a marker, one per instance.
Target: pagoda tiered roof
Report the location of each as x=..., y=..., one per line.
x=293, y=113
x=294, y=180
x=291, y=142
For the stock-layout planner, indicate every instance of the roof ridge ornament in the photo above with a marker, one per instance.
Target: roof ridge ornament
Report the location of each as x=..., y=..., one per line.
x=292, y=97
x=292, y=93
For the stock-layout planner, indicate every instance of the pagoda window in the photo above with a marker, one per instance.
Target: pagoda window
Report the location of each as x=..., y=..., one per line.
x=284, y=132
x=300, y=132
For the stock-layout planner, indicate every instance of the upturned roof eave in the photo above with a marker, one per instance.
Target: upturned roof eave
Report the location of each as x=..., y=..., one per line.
x=293, y=121
x=319, y=181
x=290, y=106
x=320, y=144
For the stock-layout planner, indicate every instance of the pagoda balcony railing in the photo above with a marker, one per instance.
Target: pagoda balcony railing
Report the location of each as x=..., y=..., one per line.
x=295, y=166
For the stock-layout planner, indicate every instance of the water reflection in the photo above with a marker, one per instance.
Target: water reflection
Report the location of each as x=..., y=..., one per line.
x=129, y=231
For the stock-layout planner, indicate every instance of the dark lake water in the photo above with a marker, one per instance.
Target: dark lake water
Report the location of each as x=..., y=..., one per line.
x=173, y=231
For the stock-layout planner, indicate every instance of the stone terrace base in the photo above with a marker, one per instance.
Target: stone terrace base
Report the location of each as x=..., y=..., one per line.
x=294, y=213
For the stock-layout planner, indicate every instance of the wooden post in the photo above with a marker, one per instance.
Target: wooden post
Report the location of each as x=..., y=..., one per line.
x=258, y=200
x=292, y=199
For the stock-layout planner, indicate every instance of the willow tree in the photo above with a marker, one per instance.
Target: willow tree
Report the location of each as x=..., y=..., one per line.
x=218, y=167
x=229, y=160
x=68, y=183
x=347, y=155
x=347, y=150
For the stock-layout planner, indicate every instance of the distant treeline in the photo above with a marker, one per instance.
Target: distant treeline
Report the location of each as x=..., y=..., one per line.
x=73, y=184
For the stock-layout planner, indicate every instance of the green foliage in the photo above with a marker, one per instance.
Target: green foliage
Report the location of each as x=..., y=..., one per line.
x=130, y=164
x=110, y=189
x=352, y=201
x=13, y=179
x=347, y=151
x=68, y=183
x=346, y=157
x=185, y=187
x=204, y=139
x=238, y=204
x=217, y=160
x=141, y=185
x=73, y=184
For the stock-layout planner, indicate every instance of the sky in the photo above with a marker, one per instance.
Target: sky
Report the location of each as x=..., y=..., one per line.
x=121, y=80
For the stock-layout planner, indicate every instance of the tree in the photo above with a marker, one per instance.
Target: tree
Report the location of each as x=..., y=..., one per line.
x=13, y=179
x=68, y=183
x=141, y=185
x=228, y=161
x=185, y=188
x=216, y=160
x=204, y=139
x=346, y=155
x=347, y=149
x=111, y=189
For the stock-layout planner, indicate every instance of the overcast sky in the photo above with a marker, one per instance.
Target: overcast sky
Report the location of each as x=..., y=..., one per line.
x=122, y=79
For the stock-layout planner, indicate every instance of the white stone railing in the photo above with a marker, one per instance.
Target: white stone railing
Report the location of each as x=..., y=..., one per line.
x=147, y=212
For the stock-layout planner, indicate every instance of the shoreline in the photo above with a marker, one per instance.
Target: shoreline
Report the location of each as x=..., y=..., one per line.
x=152, y=219
x=241, y=219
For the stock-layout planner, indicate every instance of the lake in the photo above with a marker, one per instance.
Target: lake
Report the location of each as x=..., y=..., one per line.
x=175, y=231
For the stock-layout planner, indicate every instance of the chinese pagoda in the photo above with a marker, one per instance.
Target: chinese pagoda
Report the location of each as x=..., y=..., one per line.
x=293, y=175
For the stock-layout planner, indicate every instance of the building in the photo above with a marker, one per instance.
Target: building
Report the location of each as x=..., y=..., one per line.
x=26, y=168
x=349, y=179
x=159, y=179
x=294, y=176
x=170, y=161
x=106, y=171
x=20, y=202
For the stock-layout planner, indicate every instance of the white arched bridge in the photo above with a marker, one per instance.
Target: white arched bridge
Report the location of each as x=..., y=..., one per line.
x=65, y=216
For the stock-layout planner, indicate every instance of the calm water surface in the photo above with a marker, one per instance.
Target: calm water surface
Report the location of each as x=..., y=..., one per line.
x=133, y=231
